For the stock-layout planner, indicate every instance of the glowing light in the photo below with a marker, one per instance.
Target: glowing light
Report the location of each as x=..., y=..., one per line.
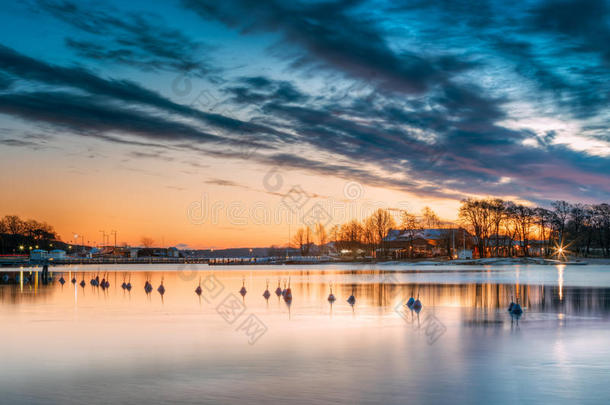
x=560, y=281
x=561, y=251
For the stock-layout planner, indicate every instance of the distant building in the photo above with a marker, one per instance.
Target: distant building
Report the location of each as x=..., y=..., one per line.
x=38, y=255
x=57, y=254
x=464, y=254
x=173, y=252
x=401, y=243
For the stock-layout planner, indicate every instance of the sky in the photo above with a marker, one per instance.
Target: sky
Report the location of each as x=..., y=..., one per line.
x=209, y=124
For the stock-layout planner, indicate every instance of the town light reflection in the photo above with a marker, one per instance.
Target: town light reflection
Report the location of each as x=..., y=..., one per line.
x=560, y=280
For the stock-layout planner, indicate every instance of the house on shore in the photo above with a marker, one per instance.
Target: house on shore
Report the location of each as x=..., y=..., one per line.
x=57, y=254
x=430, y=242
x=38, y=255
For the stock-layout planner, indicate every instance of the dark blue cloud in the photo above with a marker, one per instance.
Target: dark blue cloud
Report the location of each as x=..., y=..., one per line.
x=584, y=24
x=140, y=39
x=422, y=89
x=335, y=35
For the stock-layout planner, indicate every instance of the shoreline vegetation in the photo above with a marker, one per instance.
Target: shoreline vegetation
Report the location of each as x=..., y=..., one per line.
x=487, y=228
x=495, y=261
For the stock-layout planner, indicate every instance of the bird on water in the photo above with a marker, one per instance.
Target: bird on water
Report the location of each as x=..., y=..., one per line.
x=288, y=294
x=278, y=290
x=161, y=288
x=198, y=290
x=331, y=296
x=243, y=290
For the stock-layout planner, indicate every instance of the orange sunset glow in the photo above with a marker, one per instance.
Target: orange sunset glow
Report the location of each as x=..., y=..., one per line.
x=306, y=202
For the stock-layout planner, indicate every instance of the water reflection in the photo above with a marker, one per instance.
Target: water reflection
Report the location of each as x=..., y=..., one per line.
x=308, y=289
x=198, y=339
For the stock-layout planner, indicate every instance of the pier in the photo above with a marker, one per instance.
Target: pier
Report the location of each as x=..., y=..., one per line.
x=27, y=262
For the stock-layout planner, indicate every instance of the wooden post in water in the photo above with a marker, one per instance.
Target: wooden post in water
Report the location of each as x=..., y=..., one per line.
x=45, y=274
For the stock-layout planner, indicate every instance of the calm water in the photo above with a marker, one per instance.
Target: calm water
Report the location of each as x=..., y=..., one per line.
x=69, y=344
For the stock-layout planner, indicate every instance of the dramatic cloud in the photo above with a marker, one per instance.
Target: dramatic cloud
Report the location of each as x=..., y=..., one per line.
x=443, y=99
x=333, y=37
x=584, y=24
x=138, y=39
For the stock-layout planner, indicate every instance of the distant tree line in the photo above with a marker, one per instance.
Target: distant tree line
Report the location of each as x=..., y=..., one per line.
x=576, y=229
x=366, y=237
x=17, y=235
x=498, y=227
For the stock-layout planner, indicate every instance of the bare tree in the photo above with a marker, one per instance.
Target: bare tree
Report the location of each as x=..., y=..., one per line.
x=602, y=227
x=411, y=228
x=147, y=242
x=335, y=235
x=13, y=225
x=351, y=235
x=562, y=213
x=429, y=218
x=475, y=214
x=381, y=222
x=321, y=236
x=299, y=240
x=369, y=235
x=524, y=219
x=308, y=240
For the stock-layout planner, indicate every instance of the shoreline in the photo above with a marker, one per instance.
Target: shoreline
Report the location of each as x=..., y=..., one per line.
x=495, y=261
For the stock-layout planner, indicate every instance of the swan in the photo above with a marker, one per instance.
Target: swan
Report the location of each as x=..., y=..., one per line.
x=288, y=294
x=331, y=296
x=516, y=309
x=198, y=290
x=417, y=305
x=243, y=290
x=278, y=290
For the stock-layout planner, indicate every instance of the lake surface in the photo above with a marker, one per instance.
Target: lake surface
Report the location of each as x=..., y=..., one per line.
x=72, y=344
